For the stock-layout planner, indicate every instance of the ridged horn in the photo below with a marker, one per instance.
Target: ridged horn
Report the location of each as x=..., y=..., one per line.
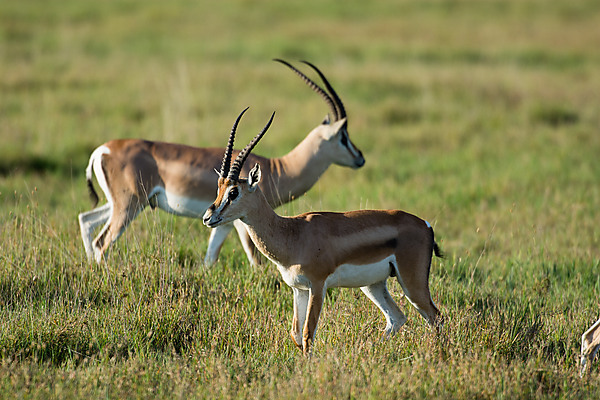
x=314, y=87
x=234, y=174
x=226, y=164
x=336, y=98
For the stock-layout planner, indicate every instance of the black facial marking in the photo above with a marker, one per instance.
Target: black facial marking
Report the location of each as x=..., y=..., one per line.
x=344, y=139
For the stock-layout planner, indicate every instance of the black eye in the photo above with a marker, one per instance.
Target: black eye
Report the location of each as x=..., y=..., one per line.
x=233, y=193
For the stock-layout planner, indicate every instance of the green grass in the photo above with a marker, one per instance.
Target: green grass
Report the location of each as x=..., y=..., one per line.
x=479, y=116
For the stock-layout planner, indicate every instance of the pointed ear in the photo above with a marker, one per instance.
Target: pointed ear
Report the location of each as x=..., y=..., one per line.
x=326, y=120
x=254, y=178
x=334, y=128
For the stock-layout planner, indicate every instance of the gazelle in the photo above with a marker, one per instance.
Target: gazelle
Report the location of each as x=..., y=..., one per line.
x=318, y=250
x=590, y=343
x=180, y=179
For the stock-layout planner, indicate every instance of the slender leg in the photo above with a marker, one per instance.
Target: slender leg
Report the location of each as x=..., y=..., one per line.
x=115, y=227
x=315, y=304
x=215, y=242
x=416, y=289
x=426, y=307
x=300, y=306
x=252, y=252
x=378, y=293
x=88, y=221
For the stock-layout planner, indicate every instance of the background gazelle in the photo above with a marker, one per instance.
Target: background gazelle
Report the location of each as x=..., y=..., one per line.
x=180, y=179
x=317, y=250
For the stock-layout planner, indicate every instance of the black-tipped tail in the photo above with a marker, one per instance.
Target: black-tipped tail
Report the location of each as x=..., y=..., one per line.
x=436, y=248
x=437, y=251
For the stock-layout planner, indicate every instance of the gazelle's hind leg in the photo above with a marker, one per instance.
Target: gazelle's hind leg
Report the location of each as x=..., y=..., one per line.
x=252, y=252
x=425, y=306
x=121, y=217
x=378, y=293
x=88, y=222
x=215, y=242
x=415, y=283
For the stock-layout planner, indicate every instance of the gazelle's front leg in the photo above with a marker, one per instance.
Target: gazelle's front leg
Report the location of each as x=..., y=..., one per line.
x=300, y=306
x=215, y=242
x=252, y=252
x=315, y=304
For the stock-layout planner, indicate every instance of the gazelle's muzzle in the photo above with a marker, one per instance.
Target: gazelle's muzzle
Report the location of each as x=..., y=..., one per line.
x=210, y=219
x=359, y=161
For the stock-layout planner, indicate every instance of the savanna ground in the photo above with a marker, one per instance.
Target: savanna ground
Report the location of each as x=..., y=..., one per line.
x=482, y=117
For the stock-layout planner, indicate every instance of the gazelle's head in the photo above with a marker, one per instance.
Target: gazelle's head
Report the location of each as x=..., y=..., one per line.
x=234, y=194
x=333, y=131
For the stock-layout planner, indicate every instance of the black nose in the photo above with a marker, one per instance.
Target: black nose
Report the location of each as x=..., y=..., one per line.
x=361, y=161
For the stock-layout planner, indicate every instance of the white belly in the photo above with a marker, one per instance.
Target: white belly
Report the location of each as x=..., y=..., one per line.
x=349, y=275
x=180, y=205
x=346, y=275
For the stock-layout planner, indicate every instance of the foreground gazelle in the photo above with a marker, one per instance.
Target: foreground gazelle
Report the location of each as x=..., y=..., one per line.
x=181, y=180
x=590, y=344
x=319, y=250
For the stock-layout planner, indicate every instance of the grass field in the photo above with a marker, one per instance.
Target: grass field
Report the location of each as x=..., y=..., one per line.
x=482, y=117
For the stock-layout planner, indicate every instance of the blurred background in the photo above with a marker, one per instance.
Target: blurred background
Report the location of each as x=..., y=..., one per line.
x=461, y=107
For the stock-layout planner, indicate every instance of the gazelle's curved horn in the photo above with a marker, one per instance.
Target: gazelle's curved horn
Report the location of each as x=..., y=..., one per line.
x=226, y=164
x=234, y=173
x=314, y=87
x=336, y=98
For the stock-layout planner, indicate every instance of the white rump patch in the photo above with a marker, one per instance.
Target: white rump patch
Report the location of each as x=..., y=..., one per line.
x=96, y=165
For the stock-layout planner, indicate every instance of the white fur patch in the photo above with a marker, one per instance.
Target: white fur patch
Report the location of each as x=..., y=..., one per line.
x=96, y=164
x=292, y=278
x=350, y=275
x=179, y=205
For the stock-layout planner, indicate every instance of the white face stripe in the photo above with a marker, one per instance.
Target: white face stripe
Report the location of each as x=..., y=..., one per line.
x=428, y=224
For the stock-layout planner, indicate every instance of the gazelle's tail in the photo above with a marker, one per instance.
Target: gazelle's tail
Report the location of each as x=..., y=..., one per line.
x=437, y=251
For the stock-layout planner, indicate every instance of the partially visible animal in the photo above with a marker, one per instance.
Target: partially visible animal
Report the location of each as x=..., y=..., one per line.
x=590, y=343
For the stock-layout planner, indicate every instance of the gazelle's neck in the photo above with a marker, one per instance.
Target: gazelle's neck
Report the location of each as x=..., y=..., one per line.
x=271, y=233
x=297, y=171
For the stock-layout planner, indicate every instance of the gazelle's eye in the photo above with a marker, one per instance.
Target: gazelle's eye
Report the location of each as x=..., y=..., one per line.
x=233, y=193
